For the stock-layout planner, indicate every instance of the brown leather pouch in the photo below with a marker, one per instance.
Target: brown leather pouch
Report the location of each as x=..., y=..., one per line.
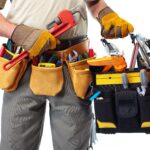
x=46, y=81
x=9, y=80
x=81, y=77
x=49, y=81
x=79, y=71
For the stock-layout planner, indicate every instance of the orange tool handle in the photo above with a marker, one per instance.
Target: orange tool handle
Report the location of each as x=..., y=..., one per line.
x=118, y=62
x=107, y=61
x=14, y=61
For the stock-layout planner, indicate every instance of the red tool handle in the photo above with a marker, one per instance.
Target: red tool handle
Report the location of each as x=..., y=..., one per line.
x=14, y=61
x=2, y=51
x=67, y=22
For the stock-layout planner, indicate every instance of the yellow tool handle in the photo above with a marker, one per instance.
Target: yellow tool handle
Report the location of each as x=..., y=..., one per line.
x=49, y=65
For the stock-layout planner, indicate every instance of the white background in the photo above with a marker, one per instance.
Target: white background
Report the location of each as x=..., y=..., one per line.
x=136, y=12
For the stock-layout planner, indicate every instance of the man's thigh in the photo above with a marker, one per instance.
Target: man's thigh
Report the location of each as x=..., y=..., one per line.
x=22, y=118
x=71, y=119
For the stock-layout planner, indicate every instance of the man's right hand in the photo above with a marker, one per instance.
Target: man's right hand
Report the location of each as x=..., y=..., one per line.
x=32, y=39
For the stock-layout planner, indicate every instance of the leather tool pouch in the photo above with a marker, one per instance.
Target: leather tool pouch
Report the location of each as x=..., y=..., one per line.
x=79, y=71
x=46, y=81
x=120, y=110
x=9, y=80
x=80, y=76
x=49, y=81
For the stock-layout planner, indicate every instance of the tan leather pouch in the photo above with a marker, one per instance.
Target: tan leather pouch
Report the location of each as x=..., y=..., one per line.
x=46, y=81
x=79, y=71
x=81, y=77
x=9, y=80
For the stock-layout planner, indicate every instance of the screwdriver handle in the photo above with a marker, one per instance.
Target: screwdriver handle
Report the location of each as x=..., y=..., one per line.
x=107, y=44
x=144, y=78
x=125, y=80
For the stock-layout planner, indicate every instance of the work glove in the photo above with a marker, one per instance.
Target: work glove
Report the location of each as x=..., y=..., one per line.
x=34, y=40
x=112, y=25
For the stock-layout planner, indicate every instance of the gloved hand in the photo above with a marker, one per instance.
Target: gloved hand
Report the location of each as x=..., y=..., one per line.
x=112, y=25
x=34, y=40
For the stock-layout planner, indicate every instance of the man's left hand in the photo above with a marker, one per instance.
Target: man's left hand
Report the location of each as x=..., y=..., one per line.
x=112, y=25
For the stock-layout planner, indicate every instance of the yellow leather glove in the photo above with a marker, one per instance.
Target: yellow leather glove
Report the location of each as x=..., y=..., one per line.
x=34, y=40
x=112, y=25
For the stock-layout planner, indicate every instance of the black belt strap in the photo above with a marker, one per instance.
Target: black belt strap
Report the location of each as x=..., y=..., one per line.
x=70, y=42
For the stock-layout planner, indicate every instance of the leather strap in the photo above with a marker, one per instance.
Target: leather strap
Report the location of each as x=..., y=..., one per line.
x=66, y=43
x=80, y=48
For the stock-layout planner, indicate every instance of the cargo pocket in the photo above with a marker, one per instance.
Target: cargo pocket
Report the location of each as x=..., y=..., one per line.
x=105, y=112
x=81, y=77
x=46, y=81
x=127, y=109
x=9, y=80
x=144, y=104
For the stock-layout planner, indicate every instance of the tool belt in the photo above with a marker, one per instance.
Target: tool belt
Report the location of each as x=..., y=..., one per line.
x=52, y=78
x=66, y=43
x=120, y=110
x=48, y=80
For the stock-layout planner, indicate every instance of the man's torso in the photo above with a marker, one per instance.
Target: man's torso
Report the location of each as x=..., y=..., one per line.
x=38, y=13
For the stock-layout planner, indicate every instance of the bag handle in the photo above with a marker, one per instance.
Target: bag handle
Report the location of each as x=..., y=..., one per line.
x=140, y=53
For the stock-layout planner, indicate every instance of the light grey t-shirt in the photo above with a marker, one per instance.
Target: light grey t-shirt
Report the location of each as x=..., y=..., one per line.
x=38, y=13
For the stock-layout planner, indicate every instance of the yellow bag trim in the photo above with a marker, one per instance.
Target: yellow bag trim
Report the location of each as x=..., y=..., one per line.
x=106, y=124
x=108, y=79
x=41, y=41
x=145, y=125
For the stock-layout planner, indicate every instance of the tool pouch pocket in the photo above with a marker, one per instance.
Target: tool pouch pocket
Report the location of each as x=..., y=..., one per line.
x=46, y=81
x=9, y=80
x=126, y=109
x=105, y=113
x=81, y=77
x=144, y=106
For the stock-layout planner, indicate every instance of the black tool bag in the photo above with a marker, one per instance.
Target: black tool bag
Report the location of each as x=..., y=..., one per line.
x=120, y=110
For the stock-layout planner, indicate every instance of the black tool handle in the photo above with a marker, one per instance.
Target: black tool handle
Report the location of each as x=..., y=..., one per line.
x=107, y=43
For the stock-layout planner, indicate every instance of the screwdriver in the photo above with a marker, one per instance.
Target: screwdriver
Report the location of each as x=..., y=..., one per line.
x=125, y=81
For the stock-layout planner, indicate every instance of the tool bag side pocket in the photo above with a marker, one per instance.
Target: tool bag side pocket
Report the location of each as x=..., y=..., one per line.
x=127, y=109
x=81, y=77
x=46, y=81
x=144, y=106
x=105, y=113
x=9, y=80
